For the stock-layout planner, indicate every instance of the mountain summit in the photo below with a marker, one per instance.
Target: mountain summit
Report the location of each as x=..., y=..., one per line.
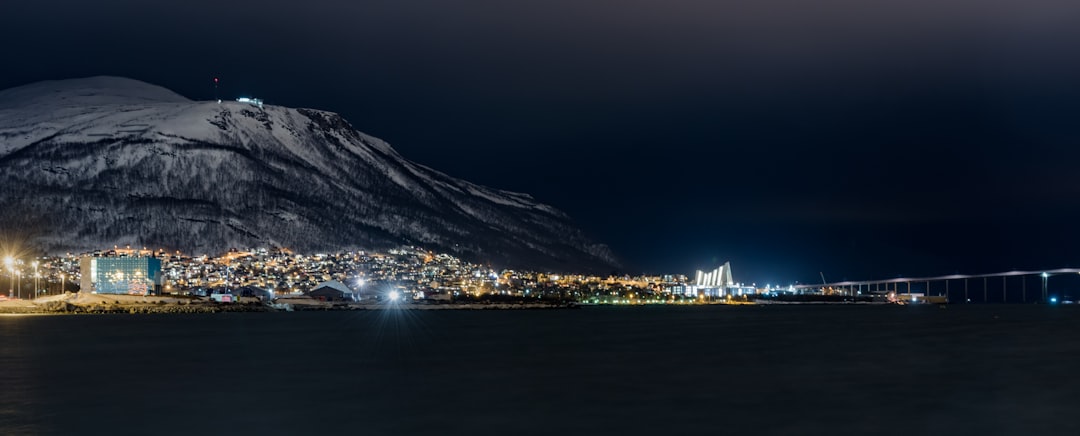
x=105, y=161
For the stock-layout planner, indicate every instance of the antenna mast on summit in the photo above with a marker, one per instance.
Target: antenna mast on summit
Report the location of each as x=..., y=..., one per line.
x=216, y=96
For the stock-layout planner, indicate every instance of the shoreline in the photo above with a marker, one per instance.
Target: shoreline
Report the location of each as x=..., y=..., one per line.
x=75, y=304
x=108, y=304
x=224, y=308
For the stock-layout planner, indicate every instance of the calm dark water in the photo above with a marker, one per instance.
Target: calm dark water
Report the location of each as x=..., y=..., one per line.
x=964, y=370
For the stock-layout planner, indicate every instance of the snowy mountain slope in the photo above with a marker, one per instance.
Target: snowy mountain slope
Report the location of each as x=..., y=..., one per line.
x=112, y=161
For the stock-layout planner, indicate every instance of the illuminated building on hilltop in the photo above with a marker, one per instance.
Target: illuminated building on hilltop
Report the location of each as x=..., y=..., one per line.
x=252, y=101
x=137, y=275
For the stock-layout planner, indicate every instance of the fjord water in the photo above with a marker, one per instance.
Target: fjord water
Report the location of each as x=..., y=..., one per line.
x=961, y=370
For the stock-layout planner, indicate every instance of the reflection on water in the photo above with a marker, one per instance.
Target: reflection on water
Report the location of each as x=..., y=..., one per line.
x=673, y=370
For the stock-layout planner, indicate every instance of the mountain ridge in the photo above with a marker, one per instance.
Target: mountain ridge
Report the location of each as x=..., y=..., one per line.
x=110, y=161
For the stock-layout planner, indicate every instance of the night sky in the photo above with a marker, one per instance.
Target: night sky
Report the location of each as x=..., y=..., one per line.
x=858, y=139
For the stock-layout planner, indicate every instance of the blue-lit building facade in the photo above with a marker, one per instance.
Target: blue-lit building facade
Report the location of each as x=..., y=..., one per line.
x=134, y=275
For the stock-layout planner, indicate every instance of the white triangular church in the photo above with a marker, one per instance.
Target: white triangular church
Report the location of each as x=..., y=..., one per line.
x=717, y=278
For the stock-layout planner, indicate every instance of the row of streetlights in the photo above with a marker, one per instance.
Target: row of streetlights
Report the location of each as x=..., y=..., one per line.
x=15, y=277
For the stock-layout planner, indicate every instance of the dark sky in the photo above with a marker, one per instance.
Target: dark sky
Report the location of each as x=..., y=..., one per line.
x=861, y=139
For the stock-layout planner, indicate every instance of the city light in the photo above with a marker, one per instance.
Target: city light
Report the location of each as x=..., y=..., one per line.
x=394, y=296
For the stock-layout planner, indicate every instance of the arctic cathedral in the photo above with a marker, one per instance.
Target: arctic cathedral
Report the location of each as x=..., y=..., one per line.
x=716, y=284
x=718, y=278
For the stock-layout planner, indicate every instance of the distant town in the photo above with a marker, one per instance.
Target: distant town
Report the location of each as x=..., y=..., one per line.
x=281, y=279
x=407, y=274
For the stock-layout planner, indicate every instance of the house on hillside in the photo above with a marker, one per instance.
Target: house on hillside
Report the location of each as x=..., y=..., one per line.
x=252, y=291
x=333, y=291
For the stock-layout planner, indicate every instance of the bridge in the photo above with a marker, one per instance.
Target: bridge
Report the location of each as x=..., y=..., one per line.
x=969, y=284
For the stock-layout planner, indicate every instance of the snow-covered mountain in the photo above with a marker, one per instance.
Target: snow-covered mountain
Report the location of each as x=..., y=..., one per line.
x=104, y=161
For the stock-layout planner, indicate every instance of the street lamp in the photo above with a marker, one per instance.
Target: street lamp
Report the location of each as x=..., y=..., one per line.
x=35, y=278
x=9, y=262
x=1045, y=276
